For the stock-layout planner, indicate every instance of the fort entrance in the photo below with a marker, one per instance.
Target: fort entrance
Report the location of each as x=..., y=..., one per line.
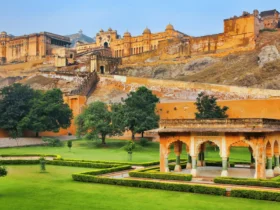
x=261, y=135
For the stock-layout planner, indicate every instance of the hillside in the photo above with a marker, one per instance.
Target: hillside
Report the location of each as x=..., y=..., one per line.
x=241, y=69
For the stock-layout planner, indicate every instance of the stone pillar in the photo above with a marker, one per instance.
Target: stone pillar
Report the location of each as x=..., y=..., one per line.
x=277, y=167
x=194, y=166
x=178, y=150
x=269, y=171
x=225, y=167
x=164, y=152
x=166, y=167
x=201, y=156
x=252, y=164
x=189, y=164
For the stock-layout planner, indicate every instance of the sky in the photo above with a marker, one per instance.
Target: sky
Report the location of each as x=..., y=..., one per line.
x=64, y=17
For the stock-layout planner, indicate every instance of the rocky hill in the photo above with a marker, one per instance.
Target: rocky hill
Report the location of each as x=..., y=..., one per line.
x=259, y=68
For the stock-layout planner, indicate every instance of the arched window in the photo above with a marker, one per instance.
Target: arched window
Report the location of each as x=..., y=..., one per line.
x=106, y=45
x=142, y=49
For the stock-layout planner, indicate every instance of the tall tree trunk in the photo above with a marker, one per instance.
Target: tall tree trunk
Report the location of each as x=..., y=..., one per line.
x=103, y=139
x=37, y=134
x=142, y=134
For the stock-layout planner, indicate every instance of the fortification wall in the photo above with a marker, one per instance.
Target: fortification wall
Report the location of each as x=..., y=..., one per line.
x=184, y=91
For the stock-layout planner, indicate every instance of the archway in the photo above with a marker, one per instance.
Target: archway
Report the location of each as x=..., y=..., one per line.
x=106, y=45
x=269, y=155
x=276, y=158
x=102, y=69
x=206, y=161
x=241, y=160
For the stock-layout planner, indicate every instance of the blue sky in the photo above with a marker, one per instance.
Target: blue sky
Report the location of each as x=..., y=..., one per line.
x=196, y=18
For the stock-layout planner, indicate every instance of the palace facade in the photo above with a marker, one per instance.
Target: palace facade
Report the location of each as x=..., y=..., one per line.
x=29, y=47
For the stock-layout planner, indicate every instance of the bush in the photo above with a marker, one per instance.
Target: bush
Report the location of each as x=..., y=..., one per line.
x=32, y=155
x=81, y=164
x=144, y=142
x=159, y=175
x=19, y=162
x=3, y=171
x=151, y=184
x=255, y=194
x=249, y=182
x=53, y=142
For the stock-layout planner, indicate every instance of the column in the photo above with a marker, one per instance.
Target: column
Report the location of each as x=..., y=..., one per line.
x=225, y=167
x=166, y=167
x=277, y=168
x=199, y=159
x=252, y=165
x=189, y=163
x=194, y=166
x=178, y=151
x=269, y=171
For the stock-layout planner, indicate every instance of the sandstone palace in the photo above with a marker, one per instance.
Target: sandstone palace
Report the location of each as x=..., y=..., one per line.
x=240, y=34
x=29, y=47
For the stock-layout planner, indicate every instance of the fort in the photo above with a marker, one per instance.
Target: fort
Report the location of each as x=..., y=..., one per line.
x=29, y=47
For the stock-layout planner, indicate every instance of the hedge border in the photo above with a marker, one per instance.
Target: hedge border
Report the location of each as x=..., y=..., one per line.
x=256, y=194
x=248, y=182
x=160, y=175
x=31, y=155
x=151, y=184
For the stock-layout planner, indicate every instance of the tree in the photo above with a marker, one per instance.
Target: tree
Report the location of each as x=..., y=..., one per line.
x=48, y=113
x=139, y=111
x=129, y=148
x=15, y=104
x=95, y=121
x=69, y=144
x=208, y=109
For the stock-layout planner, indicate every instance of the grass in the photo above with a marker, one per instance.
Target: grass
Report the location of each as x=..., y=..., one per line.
x=114, y=152
x=26, y=188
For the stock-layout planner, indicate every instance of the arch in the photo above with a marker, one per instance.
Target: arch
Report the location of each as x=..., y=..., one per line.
x=268, y=149
x=102, y=69
x=202, y=141
x=276, y=148
x=250, y=144
x=106, y=45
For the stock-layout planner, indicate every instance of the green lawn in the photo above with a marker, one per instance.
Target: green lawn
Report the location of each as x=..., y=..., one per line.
x=114, y=152
x=25, y=188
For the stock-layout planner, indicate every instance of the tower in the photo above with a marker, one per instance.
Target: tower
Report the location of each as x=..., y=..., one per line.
x=147, y=39
x=3, y=47
x=127, y=44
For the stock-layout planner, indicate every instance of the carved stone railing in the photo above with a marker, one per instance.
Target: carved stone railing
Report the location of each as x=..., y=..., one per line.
x=220, y=123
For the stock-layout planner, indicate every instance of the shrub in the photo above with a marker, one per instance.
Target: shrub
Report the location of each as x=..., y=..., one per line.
x=144, y=142
x=255, y=194
x=151, y=184
x=19, y=162
x=81, y=164
x=43, y=163
x=53, y=142
x=3, y=171
x=249, y=182
x=69, y=144
x=159, y=175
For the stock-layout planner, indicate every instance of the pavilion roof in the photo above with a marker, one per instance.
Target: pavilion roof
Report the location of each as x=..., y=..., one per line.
x=248, y=125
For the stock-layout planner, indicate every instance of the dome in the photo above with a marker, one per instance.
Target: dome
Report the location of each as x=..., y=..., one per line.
x=4, y=33
x=147, y=31
x=101, y=30
x=169, y=27
x=97, y=34
x=110, y=29
x=126, y=34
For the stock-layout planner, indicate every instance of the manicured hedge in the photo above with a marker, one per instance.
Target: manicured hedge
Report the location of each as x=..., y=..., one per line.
x=216, y=163
x=122, y=163
x=249, y=182
x=159, y=175
x=151, y=184
x=19, y=162
x=255, y=194
x=30, y=155
x=81, y=164
x=107, y=170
